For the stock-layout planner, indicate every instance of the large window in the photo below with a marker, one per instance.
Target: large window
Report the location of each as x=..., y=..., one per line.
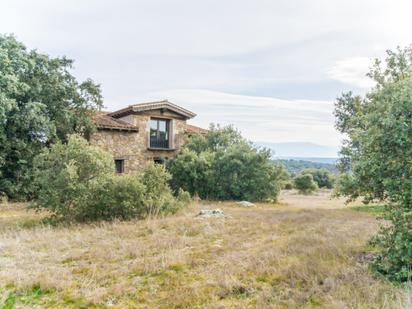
x=159, y=133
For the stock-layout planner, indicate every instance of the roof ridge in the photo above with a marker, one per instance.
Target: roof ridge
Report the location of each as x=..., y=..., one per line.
x=143, y=106
x=151, y=102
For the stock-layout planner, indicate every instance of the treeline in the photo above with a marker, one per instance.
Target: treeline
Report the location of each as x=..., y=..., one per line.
x=295, y=166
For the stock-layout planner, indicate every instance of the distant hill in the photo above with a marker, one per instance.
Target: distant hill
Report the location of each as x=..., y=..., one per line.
x=300, y=150
x=294, y=166
x=316, y=160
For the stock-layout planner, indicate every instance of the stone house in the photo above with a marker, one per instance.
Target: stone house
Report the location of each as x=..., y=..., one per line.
x=144, y=132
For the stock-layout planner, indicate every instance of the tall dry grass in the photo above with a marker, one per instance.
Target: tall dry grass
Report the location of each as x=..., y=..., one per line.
x=282, y=256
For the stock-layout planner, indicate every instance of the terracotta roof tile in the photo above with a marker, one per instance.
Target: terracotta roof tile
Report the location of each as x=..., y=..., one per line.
x=104, y=121
x=193, y=129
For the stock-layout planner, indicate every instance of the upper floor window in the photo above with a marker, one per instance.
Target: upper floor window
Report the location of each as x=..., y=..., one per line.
x=159, y=133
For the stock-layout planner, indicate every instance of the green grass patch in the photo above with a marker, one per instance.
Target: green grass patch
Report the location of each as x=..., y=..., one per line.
x=39, y=297
x=372, y=209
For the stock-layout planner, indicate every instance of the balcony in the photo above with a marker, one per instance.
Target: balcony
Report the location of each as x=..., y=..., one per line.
x=158, y=143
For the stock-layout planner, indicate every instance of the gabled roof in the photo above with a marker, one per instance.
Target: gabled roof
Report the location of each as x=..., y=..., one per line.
x=191, y=129
x=148, y=106
x=104, y=121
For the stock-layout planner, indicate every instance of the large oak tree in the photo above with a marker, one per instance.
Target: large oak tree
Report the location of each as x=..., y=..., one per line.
x=40, y=102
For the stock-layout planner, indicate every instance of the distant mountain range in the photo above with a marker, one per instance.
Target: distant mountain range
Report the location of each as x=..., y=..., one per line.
x=302, y=151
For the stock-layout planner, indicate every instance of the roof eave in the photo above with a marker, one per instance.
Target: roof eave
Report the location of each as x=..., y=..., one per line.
x=185, y=114
x=115, y=128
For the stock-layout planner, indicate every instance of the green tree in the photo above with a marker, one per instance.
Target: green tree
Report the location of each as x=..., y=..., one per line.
x=322, y=177
x=223, y=165
x=377, y=156
x=40, y=103
x=217, y=139
x=305, y=183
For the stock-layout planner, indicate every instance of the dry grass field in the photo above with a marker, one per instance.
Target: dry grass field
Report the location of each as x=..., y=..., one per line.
x=306, y=251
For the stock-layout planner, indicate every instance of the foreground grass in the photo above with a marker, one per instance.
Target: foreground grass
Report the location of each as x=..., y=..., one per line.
x=290, y=255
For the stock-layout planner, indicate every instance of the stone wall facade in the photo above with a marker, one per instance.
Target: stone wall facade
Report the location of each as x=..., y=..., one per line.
x=133, y=147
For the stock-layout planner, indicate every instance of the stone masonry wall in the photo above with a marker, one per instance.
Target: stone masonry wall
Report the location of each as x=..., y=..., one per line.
x=133, y=146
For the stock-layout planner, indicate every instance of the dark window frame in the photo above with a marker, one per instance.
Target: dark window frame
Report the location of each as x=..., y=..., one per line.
x=160, y=160
x=119, y=166
x=156, y=141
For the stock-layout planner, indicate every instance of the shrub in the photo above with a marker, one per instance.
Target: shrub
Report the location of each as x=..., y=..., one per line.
x=288, y=185
x=158, y=195
x=193, y=172
x=65, y=175
x=322, y=177
x=305, y=183
x=222, y=165
x=121, y=197
x=76, y=182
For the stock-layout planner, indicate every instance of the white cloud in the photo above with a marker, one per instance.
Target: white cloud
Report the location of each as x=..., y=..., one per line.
x=352, y=71
x=290, y=49
x=258, y=118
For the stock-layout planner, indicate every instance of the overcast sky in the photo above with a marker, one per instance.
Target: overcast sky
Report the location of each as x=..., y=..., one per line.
x=271, y=68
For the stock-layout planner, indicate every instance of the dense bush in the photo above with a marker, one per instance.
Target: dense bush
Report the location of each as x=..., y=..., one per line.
x=76, y=182
x=223, y=165
x=193, y=172
x=305, y=183
x=322, y=177
x=377, y=157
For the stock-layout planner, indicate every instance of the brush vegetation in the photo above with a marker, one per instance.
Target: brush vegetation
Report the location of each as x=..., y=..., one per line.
x=75, y=182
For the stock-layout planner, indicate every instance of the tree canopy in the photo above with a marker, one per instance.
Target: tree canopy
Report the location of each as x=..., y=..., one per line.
x=41, y=102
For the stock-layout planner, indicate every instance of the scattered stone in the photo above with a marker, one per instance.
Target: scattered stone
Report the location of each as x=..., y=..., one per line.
x=366, y=257
x=328, y=284
x=245, y=204
x=208, y=213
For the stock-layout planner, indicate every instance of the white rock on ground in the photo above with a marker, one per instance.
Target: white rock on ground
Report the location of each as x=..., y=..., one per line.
x=245, y=204
x=208, y=213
